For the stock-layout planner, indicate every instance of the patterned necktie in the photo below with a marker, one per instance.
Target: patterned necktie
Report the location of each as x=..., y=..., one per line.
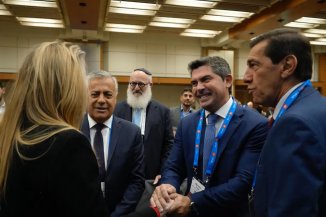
x=210, y=132
x=99, y=150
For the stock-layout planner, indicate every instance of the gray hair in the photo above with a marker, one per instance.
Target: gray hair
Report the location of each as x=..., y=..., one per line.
x=103, y=74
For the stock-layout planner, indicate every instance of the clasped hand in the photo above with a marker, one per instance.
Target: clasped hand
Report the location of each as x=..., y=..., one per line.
x=168, y=201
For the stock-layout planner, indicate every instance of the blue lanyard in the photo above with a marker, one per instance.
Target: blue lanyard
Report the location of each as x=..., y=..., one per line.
x=214, y=151
x=288, y=102
x=292, y=97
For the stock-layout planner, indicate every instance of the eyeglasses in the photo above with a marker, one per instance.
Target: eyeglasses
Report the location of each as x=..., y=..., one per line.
x=140, y=84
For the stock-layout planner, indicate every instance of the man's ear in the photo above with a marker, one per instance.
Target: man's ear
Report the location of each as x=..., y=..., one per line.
x=290, y=63
x=228, y=80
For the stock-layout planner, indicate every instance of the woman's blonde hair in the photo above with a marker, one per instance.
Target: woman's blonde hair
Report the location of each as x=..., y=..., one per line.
x=50, y=91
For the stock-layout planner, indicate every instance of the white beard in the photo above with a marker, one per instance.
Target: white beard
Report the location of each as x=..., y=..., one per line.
x=139, y=101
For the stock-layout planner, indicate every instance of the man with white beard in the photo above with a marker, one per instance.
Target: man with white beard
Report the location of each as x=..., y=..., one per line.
x=152, y=117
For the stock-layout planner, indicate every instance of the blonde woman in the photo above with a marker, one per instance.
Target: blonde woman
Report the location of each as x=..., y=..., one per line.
x=47, y=167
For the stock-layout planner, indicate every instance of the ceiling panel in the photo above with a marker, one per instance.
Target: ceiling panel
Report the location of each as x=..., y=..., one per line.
x=93, y=15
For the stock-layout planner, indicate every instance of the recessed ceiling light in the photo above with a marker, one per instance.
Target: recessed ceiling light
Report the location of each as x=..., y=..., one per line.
x=317, y=31
x=124, y=26
x=173, y=20
x=192, y=3
x=312, y=35
x=198, y=35
x=132, y=11
x=40, y=22
x=38, y=3
x=169, y=25
x=301, y=25
x=202, y=31
x=135, y=5
x=318, y=42
x=311, y=20
x=229, y=13
x=222, y=18
x=110, y=29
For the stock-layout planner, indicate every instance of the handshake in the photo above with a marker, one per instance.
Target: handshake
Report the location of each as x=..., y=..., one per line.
x=169, y=202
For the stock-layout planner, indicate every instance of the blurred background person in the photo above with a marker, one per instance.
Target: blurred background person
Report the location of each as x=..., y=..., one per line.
x=177, y=113
x=117, y=144
x=47, y=166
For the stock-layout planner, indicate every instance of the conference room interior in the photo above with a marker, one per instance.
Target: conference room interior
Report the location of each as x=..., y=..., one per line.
x=162, y=36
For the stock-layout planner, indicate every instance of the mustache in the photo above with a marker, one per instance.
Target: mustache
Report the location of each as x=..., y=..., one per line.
x=137, y=91
x=203, y=92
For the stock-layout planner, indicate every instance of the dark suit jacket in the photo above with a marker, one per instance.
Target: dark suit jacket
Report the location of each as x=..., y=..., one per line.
x=158, y=137
x=62, y=181
x=124, y=182
x=291, y=179
x=239, y=149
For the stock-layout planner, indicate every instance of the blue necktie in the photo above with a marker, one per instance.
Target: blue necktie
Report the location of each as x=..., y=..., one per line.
x=210, y=132
x=99, y=150
x=136, y=117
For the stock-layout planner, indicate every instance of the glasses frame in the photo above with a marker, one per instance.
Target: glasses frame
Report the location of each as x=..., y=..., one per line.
x=140, y=84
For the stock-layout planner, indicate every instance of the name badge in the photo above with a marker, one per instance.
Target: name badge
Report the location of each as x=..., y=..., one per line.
x=196, y=186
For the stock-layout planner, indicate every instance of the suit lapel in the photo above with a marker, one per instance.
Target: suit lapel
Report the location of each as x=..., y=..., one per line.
x=233, y=125
x=114, y=134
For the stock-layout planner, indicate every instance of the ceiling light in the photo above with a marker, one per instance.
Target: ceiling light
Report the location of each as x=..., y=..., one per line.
x=173, y=20
x=311, y=20
x=38, y=20
x=132, y=11
x=229, y=13
x=300, y=25
x=222, y=18
x=135, y=5
x=318, y=42
x=192, y=3
x=50, y=25
x=189, y=34
x=124, y=26
x=312, y=35
x=321, y=39
x=202, y=31
x=317, y=31
x=4, y=11
x=111, y=29
x=169, y=25
x=46, y=3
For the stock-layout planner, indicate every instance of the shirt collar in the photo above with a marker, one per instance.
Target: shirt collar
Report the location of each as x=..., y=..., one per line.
x=223, y=111
x=181, y=109
x=282, y=100
x=107, y=123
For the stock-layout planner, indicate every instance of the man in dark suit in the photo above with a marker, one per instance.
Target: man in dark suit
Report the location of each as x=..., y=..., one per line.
x=290, y=177
x=177, y=113
x=120, y=155
x=217, y=156
x=152, y=117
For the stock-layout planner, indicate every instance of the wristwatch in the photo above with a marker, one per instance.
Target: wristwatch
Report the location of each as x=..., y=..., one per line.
x=193, y=210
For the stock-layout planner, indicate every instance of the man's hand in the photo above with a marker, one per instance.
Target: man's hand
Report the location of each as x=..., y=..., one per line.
x=161, y=197
x=157, y=178
x=180, y=207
